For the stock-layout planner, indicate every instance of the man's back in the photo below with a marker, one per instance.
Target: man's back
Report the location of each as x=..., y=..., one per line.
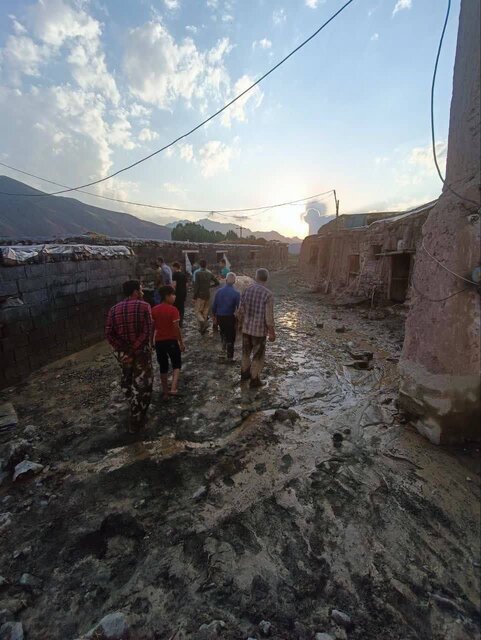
x=203, y=281
x=129, y=325
x=256, y=309
x=226, y=301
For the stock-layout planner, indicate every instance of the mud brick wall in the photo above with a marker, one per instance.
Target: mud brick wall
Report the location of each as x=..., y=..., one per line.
x=48, y=311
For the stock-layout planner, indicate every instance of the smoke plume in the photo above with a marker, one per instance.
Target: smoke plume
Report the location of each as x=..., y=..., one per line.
x=315, y=215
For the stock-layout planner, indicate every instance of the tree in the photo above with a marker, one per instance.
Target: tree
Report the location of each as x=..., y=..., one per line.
x=231, y=235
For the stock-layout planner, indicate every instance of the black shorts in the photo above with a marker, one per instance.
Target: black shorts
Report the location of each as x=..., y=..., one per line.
x=168, y=349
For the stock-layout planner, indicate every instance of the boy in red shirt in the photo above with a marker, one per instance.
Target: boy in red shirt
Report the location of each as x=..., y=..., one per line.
x=168, y=340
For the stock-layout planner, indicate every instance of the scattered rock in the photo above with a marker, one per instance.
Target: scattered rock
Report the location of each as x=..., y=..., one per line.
x=22, y=553
x=212, y=630
x=6, y=616
x=26, y=468
x=5, y=520
x=359, y=364
x=265, y=628
x=30, y=582
x=200, y=493
x=337, y=439
x=286, y=414
x=323, y=636
x=341, y=329
x=320, y=325
x=11, y=631
x=17, y=451
x=3, y=582
x=113, y=626
x=30, y=431
x=341, y=618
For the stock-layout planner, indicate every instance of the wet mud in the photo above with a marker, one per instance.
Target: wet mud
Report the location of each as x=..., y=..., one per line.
x=240, y=506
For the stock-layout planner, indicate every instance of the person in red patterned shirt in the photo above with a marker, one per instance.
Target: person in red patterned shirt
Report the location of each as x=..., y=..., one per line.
x=129, y=331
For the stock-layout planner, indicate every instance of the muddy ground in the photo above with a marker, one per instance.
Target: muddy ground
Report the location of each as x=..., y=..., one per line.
x=231, y=508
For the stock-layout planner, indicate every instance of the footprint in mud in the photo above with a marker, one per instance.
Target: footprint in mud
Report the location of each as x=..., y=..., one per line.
x=286, y=463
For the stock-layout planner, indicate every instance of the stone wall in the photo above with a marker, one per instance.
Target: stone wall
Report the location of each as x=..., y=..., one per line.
x=50, y=310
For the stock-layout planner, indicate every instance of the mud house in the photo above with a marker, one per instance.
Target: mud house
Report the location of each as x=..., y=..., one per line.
x=369, y=255
x=54, y=296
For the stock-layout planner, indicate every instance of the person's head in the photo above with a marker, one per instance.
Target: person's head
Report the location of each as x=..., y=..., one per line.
x=262, y=275
x=160, y=261
x=203, y=264
x=223, y=262
x=167, y=294
x=230, y=278
x=133, y=289
x=176, y=266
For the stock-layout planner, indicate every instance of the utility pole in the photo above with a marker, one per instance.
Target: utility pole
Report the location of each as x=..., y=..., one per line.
x=240, y=229
x=337, y=210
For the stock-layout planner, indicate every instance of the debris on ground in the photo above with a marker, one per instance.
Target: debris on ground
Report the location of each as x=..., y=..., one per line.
x=235, y=507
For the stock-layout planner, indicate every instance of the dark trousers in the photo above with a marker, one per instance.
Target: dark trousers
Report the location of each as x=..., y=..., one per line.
x=227, y=328
x=168, y=350
x=179, y=304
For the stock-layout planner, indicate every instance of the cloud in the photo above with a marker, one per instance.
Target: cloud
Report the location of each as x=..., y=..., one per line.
x=161, y=71
x=215, y=157
x=238, y=110
x=227, y=17
x=147, y=135
x=374, y=37
x=186, y=152
x=279, y=16
x=422, y=157
x=212, y=4
x=191, y=28
x=401, y=5
x=172, y=4
x=57, y=30
x=22, y=56
x=312, y=4
x=265, y=43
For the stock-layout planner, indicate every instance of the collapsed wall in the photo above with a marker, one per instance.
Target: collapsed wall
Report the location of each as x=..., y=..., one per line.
x=440, y=364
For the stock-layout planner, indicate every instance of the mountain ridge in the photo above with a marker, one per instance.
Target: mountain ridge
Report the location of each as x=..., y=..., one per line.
x=57, y=217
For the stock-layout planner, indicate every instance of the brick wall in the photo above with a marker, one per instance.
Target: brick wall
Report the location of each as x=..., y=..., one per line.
x=54, y=309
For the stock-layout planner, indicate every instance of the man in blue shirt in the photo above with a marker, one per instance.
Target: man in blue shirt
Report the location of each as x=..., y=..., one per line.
x=224, y=308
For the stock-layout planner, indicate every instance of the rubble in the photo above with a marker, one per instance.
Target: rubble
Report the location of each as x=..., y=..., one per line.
x=26, y=468
x=11, y=631
x=113, y=626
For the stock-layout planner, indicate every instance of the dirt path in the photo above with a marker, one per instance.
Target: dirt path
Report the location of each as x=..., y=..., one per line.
x=241, y=506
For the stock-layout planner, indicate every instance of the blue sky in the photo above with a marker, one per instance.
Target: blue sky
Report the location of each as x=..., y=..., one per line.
x=87, y=86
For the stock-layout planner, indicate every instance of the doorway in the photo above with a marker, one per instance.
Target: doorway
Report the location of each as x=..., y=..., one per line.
x=399, y=282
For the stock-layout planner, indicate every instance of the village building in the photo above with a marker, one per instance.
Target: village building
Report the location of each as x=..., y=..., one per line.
x=368, y=255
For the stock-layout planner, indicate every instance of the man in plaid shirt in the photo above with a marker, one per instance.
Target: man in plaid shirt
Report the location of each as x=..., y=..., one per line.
x=129, y=332
x=257, y=316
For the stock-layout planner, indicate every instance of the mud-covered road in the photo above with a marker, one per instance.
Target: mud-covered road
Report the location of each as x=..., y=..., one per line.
x=240, y=507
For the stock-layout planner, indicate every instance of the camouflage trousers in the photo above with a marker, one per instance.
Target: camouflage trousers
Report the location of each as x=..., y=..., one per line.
x=136, y=382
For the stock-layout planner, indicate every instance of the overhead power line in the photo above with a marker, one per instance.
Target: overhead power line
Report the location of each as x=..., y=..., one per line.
x=204, y=122
x=164, y=207
x=433, y=137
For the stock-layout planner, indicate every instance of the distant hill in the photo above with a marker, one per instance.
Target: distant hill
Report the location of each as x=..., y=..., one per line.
x=58, y=217
x=224, y=227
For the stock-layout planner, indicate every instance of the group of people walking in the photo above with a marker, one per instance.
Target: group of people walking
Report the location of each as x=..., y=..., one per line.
x=134, y=329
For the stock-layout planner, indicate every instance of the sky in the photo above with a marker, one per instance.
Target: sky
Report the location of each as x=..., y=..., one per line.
x=89, y=86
